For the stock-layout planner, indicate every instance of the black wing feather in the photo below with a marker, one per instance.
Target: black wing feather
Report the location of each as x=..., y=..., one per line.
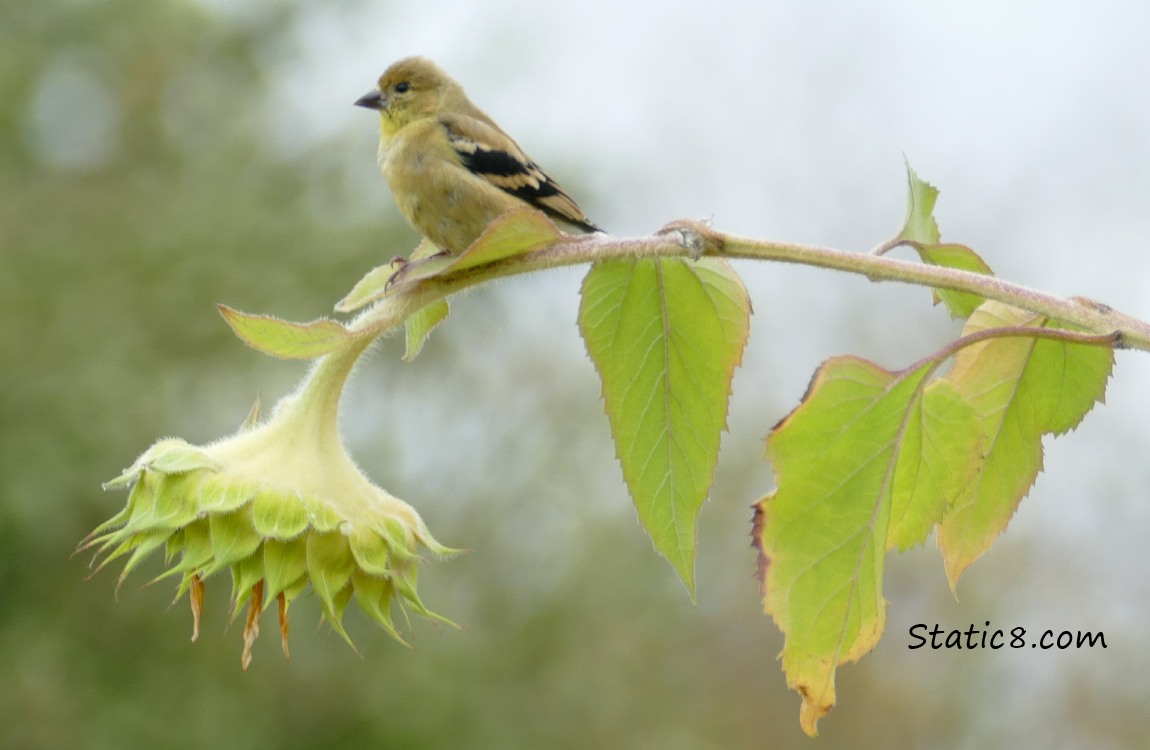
x=523, y=179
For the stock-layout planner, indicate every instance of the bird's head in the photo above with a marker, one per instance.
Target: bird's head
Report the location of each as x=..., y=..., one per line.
x=411, y=89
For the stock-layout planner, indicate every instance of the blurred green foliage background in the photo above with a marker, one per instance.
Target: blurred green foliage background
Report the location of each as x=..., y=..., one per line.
x=139, y=186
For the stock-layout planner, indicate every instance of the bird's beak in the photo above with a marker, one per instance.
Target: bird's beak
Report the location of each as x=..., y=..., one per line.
x=373, y=99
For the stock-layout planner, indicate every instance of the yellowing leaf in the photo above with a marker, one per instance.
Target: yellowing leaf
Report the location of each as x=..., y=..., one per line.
x=1021, y=389
x=666, y=336
x=868, y=461
x=284, y=339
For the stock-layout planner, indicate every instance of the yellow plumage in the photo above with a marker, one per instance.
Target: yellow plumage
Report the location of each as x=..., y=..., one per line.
x=451, y=169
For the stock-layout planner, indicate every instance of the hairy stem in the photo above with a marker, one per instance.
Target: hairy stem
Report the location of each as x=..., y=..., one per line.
x=692, y=239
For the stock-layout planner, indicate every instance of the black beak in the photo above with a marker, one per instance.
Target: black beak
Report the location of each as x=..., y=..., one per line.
x=371, y=100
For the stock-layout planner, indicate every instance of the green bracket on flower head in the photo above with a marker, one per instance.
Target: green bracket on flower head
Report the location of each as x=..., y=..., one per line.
x=279, y=505
x=169, y=456
x=374, y=595
x=285, y=566
x=274, y=519
x=330, y=566
x=233, y=538
x=371, y=552
x=246, y=575
x=193, y=544
x=221, y=493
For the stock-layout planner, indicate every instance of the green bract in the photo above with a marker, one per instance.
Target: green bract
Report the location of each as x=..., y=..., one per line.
x=279, y=505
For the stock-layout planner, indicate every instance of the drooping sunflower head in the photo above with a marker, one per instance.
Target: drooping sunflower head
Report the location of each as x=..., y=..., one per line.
x=279, y=516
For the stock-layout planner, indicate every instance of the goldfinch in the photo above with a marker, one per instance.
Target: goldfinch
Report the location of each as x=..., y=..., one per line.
x=451, y=169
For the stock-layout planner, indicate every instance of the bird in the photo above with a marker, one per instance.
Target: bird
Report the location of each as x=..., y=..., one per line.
x=451, y=169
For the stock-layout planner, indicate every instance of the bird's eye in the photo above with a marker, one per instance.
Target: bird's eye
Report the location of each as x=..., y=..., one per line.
x=402, y=87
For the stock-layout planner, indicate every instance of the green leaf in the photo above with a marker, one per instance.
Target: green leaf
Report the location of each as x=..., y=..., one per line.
x=921, y=230
x=371, y=287
x=959, y=304
x=418, y=269
x=284, y=339
x=1021, y=388
x=377, y=283
x=919, y=224
x=940, y=452
x=867, y=453
x=666, y=336
x=516, y=232
x=420, y=324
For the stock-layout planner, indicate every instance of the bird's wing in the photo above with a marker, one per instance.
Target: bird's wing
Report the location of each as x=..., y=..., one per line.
x=489, y=153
